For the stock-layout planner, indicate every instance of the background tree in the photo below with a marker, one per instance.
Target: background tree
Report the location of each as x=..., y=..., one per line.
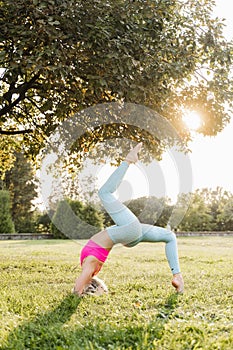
x=151, y=210
x=73, y=219
x=209, y=210
x=197, y=217
x=62, y=56
x=219, y=202
x=20, y=182
x=225, y=217
x=8, y=146
x=6, y=223
x=43, y=221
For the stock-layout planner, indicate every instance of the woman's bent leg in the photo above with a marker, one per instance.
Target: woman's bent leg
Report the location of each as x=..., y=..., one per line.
x=158, y=234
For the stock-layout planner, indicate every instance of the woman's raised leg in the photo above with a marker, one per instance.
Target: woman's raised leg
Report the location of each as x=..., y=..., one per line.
x=127, y=227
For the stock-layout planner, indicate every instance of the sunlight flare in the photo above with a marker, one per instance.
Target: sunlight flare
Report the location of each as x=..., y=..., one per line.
x=192, y=120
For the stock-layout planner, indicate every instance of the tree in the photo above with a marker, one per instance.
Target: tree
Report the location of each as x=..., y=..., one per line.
x=197, y=216
x=73, y=219
x=6, y=223
x=20, y=182
x=219, y=202
x=151, y=210
x=8, y=146
x=225, y=217
x=60, y=57
x=43, y=221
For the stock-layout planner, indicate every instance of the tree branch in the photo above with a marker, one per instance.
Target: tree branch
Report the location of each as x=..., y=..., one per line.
x=15, y=132
x=21, y=90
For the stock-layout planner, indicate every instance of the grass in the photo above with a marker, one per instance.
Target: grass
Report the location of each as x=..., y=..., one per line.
x=141, y=310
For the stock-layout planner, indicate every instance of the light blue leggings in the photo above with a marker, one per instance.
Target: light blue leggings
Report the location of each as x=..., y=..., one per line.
x=128, y=230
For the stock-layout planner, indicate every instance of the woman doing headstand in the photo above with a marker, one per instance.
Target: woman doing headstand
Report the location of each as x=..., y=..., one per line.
x=127, y=231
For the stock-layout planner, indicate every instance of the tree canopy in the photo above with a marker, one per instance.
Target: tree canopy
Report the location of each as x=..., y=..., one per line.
x=61, y=56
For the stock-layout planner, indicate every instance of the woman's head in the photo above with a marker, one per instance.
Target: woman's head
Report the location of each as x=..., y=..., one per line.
x=96, y=287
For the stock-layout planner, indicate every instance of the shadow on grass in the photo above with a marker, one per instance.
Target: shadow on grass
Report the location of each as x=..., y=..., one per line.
x=47, y=330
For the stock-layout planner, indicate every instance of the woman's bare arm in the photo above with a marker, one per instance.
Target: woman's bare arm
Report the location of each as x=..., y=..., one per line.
x=91, y=266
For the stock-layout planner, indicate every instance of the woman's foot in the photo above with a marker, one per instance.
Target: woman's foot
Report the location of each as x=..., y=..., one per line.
x=132, y=156
x=178, y=282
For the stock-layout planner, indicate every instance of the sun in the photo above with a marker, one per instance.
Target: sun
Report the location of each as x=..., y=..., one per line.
x=192, y=120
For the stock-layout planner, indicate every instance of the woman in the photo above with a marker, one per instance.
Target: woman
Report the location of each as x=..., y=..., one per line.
x=127, y=231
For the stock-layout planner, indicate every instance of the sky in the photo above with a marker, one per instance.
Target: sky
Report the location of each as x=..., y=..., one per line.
x=211, y=156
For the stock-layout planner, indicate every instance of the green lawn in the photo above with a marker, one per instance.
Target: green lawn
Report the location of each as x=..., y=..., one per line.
x=141, y=310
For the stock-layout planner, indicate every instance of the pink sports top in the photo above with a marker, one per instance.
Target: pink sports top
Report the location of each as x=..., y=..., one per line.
x=94, y=249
